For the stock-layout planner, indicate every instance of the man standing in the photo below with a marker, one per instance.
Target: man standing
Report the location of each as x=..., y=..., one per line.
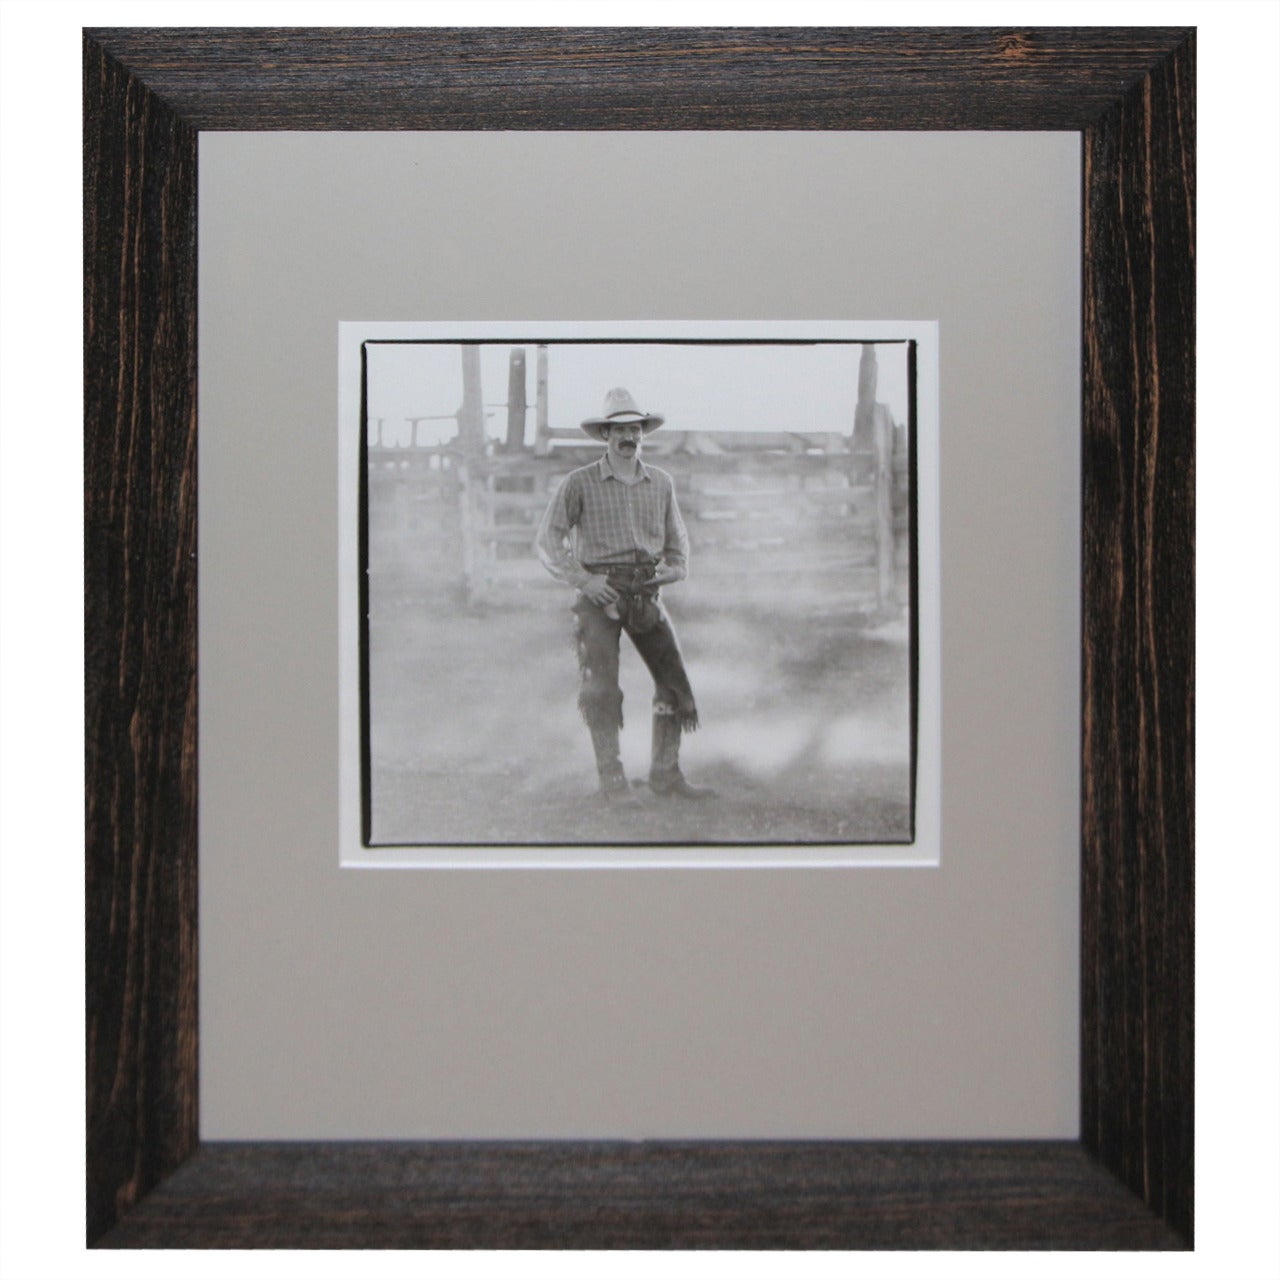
x=614, y=531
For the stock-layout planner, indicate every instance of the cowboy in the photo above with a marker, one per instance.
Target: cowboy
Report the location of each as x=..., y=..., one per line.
x=614, y=531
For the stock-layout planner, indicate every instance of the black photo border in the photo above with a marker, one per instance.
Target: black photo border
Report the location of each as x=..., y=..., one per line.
x=913, y=587
x=1128, y=1182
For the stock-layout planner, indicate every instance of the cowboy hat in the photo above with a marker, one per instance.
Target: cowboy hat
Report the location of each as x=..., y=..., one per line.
x=620, y=407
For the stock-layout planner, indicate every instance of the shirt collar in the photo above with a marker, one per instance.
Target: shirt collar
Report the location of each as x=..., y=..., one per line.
x=607, y=472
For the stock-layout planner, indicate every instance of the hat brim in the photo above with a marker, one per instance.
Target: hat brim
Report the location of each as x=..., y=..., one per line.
x=594, y=427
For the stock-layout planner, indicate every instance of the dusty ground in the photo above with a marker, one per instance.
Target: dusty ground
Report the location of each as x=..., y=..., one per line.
x=476, y=737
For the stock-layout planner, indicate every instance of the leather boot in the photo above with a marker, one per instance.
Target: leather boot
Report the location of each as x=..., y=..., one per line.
x=614, y=786
x=665, y=778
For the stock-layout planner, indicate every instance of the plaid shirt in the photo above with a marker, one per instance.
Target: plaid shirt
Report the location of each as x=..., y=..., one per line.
x=595, y=518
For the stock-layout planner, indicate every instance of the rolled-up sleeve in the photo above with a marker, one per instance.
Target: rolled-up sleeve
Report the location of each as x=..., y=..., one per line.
x=553, y=541
x=675, y=547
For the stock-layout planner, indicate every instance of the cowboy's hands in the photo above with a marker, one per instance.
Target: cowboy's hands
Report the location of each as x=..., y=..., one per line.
x=598, y=591
x=668, y=573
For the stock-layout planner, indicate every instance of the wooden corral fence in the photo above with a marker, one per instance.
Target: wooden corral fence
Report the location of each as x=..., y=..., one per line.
x=776, y=520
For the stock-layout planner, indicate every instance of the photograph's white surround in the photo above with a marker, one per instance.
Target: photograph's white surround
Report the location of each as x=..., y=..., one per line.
x=923, y=851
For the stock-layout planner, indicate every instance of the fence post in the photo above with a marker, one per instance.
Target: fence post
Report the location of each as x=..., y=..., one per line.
x=542, y=436
x=471, y=415
x=466, y=522
x=885, y=593
x=864, y=412
x=516, y=404
x=487, y=542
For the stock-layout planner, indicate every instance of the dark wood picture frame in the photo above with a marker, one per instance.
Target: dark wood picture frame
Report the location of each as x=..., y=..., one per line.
x=1127, y=1183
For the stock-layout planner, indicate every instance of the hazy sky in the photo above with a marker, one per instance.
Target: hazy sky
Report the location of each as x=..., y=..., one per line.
x=759, y=387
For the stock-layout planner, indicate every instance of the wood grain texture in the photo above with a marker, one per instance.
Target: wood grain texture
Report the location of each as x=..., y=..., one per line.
x=1137, y=990
x=1131, y=94
x=639, y=78
x=140, y=638
x=767, y=1195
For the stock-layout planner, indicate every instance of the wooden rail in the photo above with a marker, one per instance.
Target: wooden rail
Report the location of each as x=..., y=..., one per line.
x=759, y=510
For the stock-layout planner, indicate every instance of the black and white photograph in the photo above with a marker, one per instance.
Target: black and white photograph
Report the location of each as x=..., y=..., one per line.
x=638, y=593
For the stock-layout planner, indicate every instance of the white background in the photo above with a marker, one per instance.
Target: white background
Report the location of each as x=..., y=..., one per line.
x=41, y=1070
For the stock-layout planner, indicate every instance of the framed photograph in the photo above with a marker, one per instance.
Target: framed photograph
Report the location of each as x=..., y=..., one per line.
x=464, y=552
x=792, y=456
